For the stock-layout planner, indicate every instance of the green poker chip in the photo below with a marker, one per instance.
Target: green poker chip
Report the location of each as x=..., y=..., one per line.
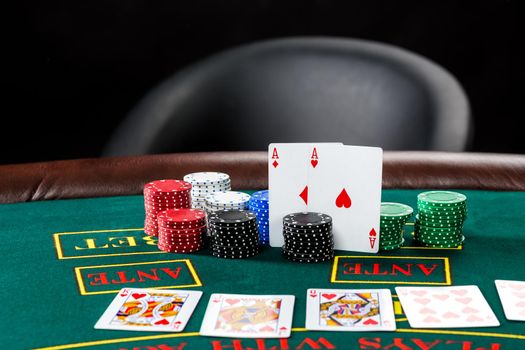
x=392, y=247
x=442, y=198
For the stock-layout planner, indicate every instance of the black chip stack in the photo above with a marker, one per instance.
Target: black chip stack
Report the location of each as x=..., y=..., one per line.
x=233, y=234
x=308, y=237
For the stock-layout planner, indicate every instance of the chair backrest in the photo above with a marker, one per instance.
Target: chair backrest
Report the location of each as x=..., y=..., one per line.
x=297, y=90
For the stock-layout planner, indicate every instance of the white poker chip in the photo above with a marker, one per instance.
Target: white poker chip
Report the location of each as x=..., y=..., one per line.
x=207, y=178
x=227, y=199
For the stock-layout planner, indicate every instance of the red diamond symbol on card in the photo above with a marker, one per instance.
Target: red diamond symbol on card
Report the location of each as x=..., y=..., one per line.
x=275, y=164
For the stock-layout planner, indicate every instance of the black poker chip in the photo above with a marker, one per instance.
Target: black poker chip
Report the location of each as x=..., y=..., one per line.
x=237, y=241
x=306, y=220
x=308, y=237
x=231, y=217
x=308, y=260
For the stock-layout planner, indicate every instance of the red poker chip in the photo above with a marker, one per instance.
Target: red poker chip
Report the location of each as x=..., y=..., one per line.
x=180, y=243
x=182, y=215
x=151, y=201
x=151, y=233
x=179, y=249
x=167, y=185
x=192, y=226
x=200, y=229
x=186, y=236
x=152, y=193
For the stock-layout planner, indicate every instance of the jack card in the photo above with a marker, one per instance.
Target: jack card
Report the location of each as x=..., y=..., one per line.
x=346, y=184
x=248, y=316
x=359, y=310
x=446, y=307
x=512, y=296
x=159, y=310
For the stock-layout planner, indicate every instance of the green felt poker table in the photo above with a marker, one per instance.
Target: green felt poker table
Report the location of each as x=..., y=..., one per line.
x=63, y=261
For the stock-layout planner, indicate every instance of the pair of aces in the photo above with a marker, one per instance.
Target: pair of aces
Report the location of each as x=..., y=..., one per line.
x=249, y=316
x=331, y=178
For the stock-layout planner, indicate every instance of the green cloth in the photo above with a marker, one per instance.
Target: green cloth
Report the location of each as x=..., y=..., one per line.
x=43, y=306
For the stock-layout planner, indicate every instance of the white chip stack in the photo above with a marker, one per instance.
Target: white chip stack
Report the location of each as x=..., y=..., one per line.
x=205, y=183
x=229, y=200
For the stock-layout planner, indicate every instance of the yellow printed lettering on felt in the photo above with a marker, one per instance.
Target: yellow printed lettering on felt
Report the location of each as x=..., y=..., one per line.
x=150, y=240
x=91, y=244
x=128, y=241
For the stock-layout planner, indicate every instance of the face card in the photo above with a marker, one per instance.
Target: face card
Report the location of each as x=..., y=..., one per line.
x=149, y=310
x=346, y=184
x=248, y=316
x=359, y=310
x=512, y=296
x=287, y=181
x=446, y=307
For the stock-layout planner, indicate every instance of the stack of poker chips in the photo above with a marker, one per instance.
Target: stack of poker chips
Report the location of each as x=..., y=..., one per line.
x=308, y=237
x=161, y=195
x=259, y=205
x=233, y=234
x=205, y=183
x=393, y=219
x=440, y=218
x=229, y=200
x=181, y=230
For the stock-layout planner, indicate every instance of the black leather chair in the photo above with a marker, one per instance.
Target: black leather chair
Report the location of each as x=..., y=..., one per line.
x=300, y=89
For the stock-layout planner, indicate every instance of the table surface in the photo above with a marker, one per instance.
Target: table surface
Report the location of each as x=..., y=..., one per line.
x=63, y=261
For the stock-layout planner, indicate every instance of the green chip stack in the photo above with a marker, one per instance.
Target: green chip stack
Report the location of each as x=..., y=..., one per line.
x=440, y=218
x=393, y=219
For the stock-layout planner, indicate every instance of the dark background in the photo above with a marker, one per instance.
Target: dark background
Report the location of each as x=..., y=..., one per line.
x=77, y=67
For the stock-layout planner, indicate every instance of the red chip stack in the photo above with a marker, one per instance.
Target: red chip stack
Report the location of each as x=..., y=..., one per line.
x=181, y=230
x=162, y=195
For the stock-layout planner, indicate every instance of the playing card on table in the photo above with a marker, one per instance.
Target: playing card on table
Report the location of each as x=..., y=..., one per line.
x=157, y=310
x=446, y=307
x=512, y=296
x=248, y=316
x=288, y=185
x=350, y=310
x=346, y=184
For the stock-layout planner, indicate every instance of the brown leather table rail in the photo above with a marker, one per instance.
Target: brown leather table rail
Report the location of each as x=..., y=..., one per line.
x=127, y=175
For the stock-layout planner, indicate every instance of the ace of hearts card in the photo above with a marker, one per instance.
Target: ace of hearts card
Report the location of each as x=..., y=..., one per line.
x=350, y=310
x=248, y=316
x=158, y=310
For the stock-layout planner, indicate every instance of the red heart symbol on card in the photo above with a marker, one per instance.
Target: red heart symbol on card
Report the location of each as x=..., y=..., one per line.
x=232, y=301
x=459, y=292
x=422, y=301
x=418, y=292
x=474, y=318
x=138, y=295
x=464, y=300
x=343, y=200
x=450, y=315
x=441, y=297
x=372, y=232
x=329, y=296
x=267, y=329
x=426, y=310
x=314, y=162
x=470, y=310
x=370, y=322
x=162, y=322
x=431, y=319
x=517, y=286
